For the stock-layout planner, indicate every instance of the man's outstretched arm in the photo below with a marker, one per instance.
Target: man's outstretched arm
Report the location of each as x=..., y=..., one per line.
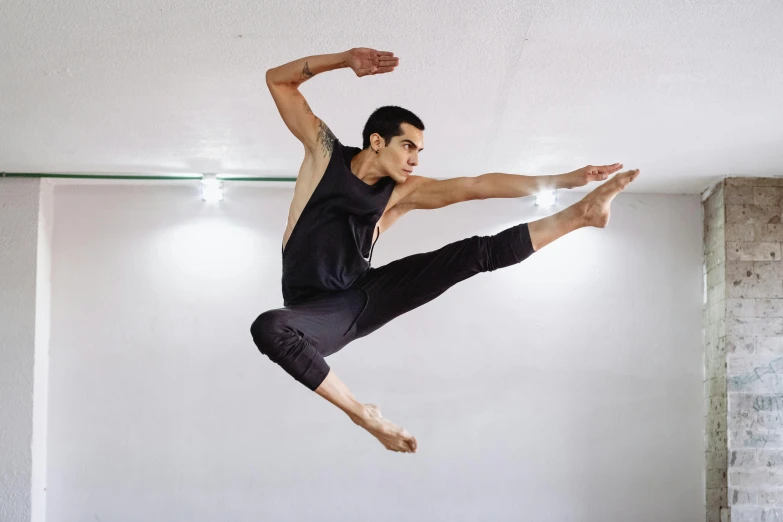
x=428, y=193
x=284, y=82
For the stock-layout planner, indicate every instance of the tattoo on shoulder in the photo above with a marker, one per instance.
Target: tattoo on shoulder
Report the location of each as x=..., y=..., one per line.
x=306, y=73
x=325, y=138
x=307, y=108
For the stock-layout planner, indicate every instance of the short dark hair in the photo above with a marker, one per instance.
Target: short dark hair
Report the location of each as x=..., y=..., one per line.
x=387, y=122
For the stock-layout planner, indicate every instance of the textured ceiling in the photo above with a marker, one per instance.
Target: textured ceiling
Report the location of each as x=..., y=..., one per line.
x=687, y=91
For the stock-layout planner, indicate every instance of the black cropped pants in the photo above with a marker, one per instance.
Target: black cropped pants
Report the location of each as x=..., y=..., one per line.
x=300, y=336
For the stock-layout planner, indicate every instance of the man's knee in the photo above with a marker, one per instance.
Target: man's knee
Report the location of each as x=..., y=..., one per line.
x=285, y=346
x=266, y=331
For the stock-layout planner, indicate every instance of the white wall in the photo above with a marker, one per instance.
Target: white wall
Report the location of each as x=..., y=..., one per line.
x=566, y=388
x=43, y=309
x=25, y=226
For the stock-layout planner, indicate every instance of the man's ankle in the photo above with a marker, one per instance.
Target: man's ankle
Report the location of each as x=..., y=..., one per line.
x=359, y=414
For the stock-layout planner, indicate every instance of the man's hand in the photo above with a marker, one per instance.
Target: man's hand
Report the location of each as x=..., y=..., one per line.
x=585, y=175
x=366, y=61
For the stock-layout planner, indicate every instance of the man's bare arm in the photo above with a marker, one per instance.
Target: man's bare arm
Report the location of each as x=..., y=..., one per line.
x=284, y=82
x=428, y=193
x=299, y=71
x=496, y=185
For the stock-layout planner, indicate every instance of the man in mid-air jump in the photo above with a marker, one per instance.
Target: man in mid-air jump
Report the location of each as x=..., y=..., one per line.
x=345, y=197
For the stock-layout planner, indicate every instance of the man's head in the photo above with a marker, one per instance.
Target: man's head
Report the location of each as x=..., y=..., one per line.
x=395, y=136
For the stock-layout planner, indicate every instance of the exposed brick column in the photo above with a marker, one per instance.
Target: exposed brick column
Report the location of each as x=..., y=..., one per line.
x=716, y=462
x=745, y=330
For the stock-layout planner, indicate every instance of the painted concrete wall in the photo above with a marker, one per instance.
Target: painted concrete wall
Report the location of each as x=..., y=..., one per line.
x=566, y=388
x=25, y=232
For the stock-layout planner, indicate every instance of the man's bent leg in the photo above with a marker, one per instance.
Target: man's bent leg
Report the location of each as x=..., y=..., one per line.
x=368, y=416
x=300, y=336
x=287, y=347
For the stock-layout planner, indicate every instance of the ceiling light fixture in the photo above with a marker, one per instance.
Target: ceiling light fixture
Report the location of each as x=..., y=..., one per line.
x=546, y=199
x=211, y=188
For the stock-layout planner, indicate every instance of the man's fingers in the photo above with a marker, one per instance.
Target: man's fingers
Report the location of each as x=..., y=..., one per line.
x=385, y=53
x=383, y=62
x=609, y=168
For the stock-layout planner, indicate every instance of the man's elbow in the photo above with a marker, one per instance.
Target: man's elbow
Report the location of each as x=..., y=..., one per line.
x=277, y=77
x=270, y=77
x=273, y=78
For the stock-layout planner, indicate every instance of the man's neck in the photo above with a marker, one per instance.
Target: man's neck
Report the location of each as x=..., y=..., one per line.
x=365, y=167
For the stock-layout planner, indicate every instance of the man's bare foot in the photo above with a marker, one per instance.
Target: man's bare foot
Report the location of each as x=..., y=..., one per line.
x=597, y=203
x=392, y=437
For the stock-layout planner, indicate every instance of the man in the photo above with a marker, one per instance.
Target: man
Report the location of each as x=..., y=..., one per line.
x=345, y=197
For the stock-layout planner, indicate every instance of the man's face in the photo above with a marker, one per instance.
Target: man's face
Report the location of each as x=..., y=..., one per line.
x=401, y=155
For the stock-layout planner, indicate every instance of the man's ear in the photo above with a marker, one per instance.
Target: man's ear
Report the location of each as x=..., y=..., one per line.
x=376, y=141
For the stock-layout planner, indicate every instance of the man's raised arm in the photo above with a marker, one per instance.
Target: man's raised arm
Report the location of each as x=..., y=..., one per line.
x=284, y=81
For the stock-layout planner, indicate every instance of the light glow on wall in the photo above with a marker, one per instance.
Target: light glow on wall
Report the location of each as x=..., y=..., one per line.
x=546, y=199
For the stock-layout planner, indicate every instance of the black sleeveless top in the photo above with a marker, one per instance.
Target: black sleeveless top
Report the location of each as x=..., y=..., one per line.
x=332, y=241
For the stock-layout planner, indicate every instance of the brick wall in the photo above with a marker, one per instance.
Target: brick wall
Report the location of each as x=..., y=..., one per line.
x=744, y=349
x=716, y=462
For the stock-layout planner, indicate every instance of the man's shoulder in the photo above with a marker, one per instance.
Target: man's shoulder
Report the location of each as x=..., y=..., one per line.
x=403, y=191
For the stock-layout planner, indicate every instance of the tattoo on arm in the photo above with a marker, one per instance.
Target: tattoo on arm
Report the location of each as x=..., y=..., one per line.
x=307, y=108
x=325, y=138
x=306, y=74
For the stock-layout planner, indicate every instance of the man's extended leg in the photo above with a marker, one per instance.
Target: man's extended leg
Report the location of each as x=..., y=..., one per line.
x=410, y=282
x=592, y=211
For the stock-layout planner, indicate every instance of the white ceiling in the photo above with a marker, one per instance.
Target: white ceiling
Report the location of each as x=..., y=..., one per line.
x=686, y=90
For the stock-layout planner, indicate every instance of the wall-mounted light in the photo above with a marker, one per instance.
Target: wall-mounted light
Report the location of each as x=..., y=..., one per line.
x=546, y=198
x=211, y=188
